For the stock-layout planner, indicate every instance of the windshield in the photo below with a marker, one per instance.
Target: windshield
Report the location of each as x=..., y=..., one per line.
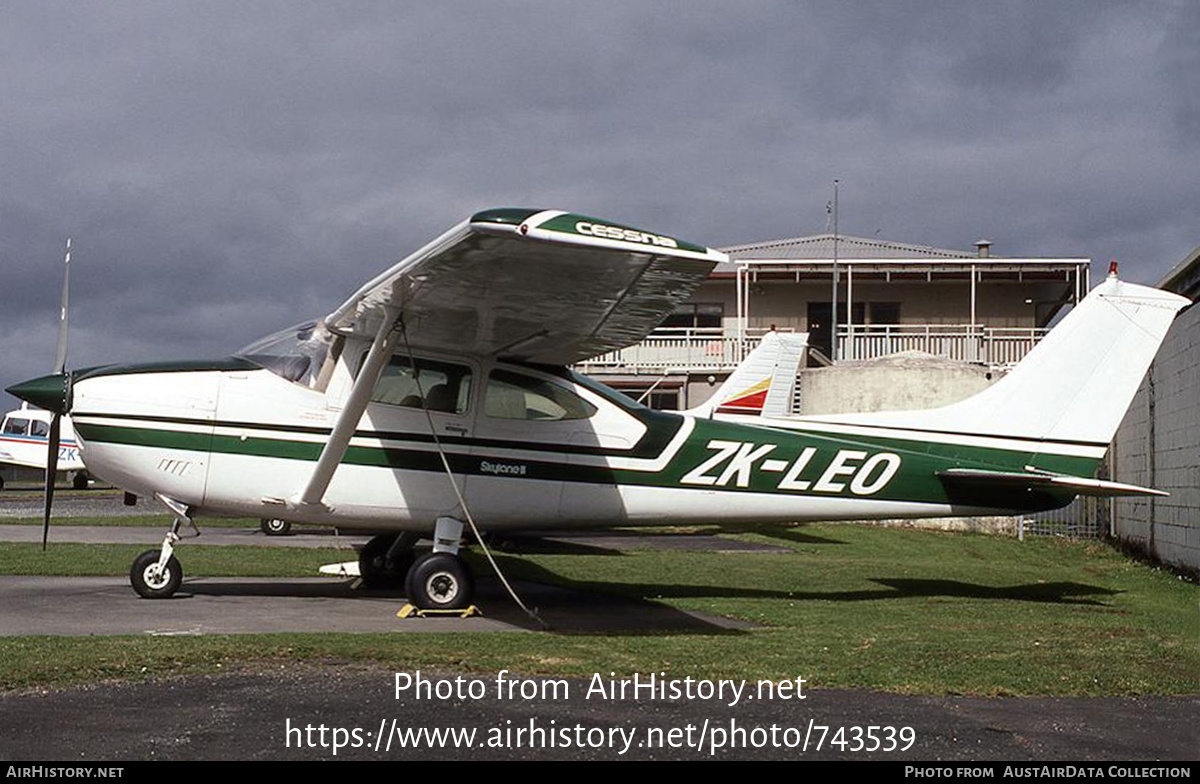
x=297, y=353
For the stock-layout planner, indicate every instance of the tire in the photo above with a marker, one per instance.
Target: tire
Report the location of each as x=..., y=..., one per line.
x=273, y=526
x=151, y=586
x=80, y=481
x=440, y=581
x=378, y=571
x=1, y=483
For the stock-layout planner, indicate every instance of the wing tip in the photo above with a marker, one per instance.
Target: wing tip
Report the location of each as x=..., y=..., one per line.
x=505, y=216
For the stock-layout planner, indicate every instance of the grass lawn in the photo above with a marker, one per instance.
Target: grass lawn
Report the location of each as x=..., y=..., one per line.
x=844, y=606
x=162, y=521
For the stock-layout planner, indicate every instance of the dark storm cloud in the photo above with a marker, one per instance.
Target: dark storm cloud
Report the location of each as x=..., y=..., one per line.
x=228, y=168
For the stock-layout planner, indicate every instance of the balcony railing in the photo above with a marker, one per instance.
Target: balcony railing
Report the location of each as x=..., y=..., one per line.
x=714, y=350
x=993, y=346
x=693, y=349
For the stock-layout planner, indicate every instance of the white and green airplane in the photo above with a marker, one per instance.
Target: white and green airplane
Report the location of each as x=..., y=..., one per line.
x=439, y=394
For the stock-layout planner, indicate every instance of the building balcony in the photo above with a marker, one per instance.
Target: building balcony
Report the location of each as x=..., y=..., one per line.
x=682, y=350
x=993, y=346
x=717, y=350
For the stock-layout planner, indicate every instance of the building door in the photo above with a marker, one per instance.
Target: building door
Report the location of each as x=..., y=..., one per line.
x=820, y=324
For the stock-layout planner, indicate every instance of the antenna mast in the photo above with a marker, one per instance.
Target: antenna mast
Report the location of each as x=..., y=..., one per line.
x=833, y=339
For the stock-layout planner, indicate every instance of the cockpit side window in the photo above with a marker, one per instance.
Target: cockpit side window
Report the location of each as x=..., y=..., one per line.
x=298, y=354
x=15, y=426
x=437, y=386
x=517, y=396
x=39, y=428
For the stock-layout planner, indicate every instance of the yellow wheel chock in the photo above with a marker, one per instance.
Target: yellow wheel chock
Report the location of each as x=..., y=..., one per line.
x=409, y=610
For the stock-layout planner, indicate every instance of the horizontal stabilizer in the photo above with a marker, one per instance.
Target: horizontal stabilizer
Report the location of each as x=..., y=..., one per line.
x=1016, y=480
x=344, y=569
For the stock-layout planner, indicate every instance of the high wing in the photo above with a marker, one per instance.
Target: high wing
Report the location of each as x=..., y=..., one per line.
x=533, y=285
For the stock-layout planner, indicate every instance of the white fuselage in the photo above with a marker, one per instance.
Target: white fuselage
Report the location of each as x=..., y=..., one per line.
x=244, y=441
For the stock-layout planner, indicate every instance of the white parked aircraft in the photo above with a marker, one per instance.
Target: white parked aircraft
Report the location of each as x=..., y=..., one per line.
x=439, y=392
x=25, y=435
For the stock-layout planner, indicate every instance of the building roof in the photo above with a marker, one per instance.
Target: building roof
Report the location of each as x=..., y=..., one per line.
x=815, y=253
x=820, y=246
x=1184, y=279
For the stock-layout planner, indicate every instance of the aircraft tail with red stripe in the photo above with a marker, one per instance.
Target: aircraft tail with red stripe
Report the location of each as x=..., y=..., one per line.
x=765, y=382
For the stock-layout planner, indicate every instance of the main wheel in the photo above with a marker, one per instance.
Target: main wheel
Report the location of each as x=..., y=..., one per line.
x=80, y=480
x=439, y=581
x=273, y=526
x=152, y=583
x=379, y=571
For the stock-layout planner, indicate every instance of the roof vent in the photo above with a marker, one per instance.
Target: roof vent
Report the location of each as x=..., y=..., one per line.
x=983, y=248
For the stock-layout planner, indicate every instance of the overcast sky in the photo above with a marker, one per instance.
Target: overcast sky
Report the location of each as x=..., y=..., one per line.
x=229, y=168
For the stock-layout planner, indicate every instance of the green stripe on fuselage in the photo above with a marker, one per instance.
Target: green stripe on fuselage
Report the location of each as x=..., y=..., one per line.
x=835, y=461
x=739, y=458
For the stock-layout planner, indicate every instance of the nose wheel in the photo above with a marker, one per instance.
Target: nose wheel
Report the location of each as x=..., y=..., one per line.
x=154, y=579
x=156, y=574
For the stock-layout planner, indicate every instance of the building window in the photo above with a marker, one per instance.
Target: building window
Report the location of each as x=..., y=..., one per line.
x=660, y=399
x=884, y=312
x=864, y=313
x=696, y=315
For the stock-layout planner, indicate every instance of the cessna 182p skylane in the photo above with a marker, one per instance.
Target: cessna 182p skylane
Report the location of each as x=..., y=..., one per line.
x=442, y=387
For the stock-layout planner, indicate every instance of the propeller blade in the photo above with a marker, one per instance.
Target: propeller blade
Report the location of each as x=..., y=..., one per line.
x=60, y=354
x=51, y=470
x=60, y=366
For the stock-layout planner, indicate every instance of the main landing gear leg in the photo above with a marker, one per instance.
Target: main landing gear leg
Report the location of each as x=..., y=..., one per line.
x=156, y=574
x=440, y=580
x=385, y=559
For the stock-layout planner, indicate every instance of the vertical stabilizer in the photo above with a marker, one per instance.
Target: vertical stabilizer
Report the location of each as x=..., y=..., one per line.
x=764, y=383
x=1074, y=386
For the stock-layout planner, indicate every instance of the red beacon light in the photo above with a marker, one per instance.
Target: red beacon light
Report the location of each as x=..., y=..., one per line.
x=1112, y=268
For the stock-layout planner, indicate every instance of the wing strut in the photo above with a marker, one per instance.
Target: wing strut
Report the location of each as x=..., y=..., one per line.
x=347, y=422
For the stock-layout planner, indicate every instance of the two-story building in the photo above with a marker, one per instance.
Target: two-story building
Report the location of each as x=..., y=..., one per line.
x=892, y=297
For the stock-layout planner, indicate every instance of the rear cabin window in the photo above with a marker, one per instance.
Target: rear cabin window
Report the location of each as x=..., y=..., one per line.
x=437, y=386
x=517, y=396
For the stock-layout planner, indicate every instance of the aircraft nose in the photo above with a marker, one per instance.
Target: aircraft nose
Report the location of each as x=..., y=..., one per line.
x=48, y=392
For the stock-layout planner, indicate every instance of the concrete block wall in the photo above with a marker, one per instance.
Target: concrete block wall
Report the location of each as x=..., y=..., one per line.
x=899, y=382
x=1158, y=445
